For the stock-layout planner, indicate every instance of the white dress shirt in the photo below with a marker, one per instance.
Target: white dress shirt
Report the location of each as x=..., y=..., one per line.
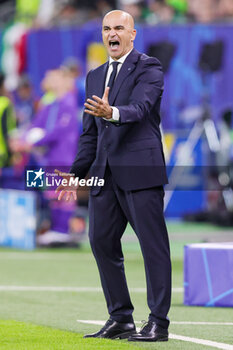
x=115, y=111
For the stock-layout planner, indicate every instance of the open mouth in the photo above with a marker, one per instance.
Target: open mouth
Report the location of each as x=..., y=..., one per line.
x=114, y=43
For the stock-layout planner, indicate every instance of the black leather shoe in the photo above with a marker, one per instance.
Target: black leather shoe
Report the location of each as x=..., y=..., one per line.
x=113, y=330
x=150, y=332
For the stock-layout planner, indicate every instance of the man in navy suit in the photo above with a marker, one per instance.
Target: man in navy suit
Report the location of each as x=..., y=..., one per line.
x=121, y=143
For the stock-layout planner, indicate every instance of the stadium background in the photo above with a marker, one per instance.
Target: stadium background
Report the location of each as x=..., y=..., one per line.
x=45, y=36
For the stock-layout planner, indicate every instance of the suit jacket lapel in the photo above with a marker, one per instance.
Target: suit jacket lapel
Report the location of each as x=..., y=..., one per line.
x=127, y=68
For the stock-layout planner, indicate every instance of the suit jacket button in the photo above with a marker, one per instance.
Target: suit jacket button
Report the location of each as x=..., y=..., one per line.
x=106, y=126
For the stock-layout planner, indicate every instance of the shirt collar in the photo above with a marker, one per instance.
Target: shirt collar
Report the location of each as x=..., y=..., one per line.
x=121, y=60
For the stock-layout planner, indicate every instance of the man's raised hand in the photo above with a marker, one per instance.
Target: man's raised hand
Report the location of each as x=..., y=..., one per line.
x=68, y=192
x=99, y=107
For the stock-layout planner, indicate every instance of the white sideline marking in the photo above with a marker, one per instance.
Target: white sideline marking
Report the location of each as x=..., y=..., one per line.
x=177, y=337
x=101, y=323
x=203, y=323
x=48, y=289
x=68, y=289
x=39, y=256
x=213, y=344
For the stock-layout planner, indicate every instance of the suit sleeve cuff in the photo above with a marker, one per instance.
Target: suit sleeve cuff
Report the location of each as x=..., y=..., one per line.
x=115, y=115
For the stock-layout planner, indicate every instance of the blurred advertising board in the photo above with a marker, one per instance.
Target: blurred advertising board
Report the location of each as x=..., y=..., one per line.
x=17, y=219
x=186, y=175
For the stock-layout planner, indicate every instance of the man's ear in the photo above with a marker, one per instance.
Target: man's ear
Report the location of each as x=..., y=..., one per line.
x=133, y=34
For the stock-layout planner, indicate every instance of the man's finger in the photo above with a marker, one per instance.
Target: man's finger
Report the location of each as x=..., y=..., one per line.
x=59, y=188
x=74, y=195
x=68, y=195
x=91, y=112
x=94, y=103
x=99, y=100
x=61, y=195
x=106, y=93
x=92, y=108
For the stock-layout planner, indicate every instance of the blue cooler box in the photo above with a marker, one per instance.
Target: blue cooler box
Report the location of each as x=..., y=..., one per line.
x=208, y=274
x=17, y=219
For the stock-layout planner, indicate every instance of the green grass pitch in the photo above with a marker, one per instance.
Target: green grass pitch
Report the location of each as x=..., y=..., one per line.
x=46, y=319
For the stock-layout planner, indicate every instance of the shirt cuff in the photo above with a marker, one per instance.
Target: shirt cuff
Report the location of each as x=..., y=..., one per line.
x=115, y=115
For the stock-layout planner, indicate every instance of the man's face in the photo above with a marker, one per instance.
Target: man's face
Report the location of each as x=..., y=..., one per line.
x=118, y=34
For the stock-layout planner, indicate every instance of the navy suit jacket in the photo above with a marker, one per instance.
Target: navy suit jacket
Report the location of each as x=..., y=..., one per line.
x=132, y=147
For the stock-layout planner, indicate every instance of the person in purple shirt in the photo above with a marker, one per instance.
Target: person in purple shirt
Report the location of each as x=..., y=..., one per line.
x=52, y=140
x=52, y=121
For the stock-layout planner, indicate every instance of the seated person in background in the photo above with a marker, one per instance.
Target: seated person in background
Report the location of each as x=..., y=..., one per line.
x=25, y=102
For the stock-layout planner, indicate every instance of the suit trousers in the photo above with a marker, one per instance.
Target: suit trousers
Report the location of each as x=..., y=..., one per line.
x=110, y=211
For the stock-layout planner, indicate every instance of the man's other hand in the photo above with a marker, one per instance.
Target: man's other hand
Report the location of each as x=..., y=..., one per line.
x=66, y=191
x=99, y=107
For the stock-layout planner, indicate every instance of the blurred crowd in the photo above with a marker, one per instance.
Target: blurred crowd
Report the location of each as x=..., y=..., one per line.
x=49, y=13
x=41, y=126
x=43, y=133
x=19, y=17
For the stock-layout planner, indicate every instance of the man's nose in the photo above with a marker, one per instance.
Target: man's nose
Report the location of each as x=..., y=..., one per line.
x=112, y=32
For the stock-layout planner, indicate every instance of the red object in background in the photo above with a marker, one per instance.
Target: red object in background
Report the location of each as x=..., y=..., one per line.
x=21, y=49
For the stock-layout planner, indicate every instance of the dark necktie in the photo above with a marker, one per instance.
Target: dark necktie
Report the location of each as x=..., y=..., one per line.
x=113, y=75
